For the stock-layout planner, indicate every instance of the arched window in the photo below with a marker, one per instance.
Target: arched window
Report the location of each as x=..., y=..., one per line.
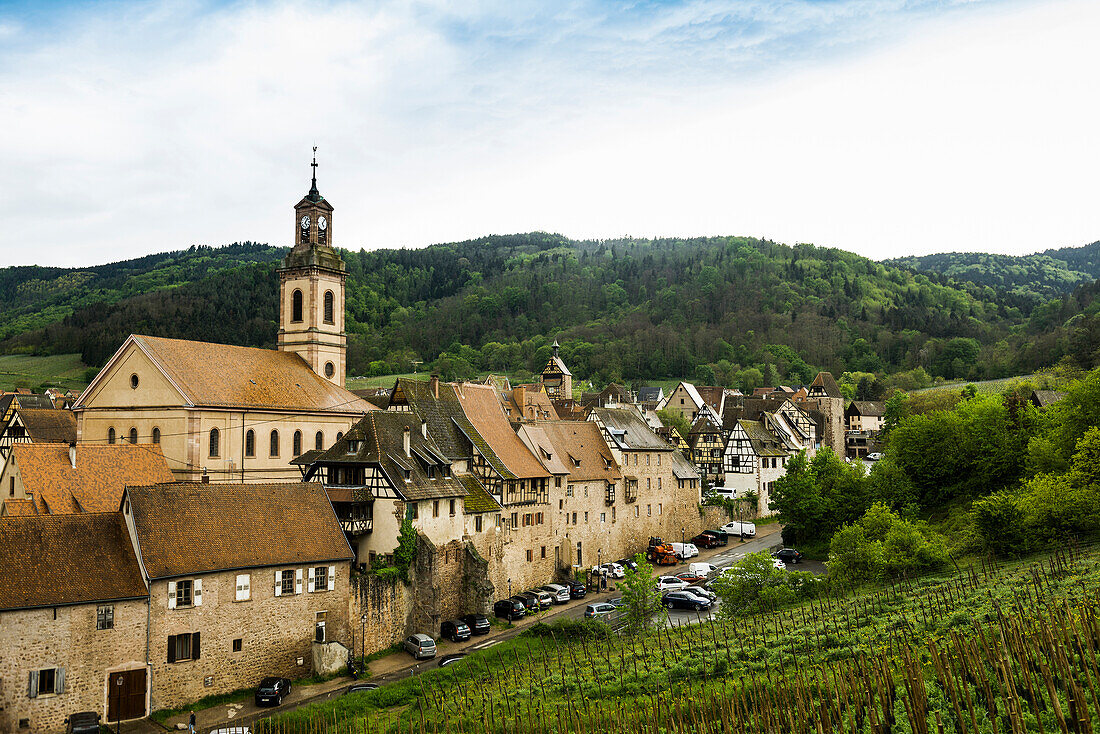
x=111, y=434
x=296, y=306
x=133, y=435
x=156, y=435
x=274, y=443
x=319, y=441
x=339, y=435
x=330, y=308
x=250, y=443
x=297, y=443
x=215, y=442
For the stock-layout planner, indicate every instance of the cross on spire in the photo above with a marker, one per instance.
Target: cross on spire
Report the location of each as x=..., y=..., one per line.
x=314, y=194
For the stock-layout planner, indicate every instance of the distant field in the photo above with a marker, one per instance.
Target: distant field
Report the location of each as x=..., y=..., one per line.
x=20, y=370
x=985, y=386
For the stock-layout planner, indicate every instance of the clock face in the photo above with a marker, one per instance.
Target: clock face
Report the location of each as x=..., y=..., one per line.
x=322, y=223
x=305, y=222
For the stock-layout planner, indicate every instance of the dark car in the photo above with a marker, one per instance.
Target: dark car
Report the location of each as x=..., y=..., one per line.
x=455, y=630
x=720, y=536
x=530, y=601
x=628, y=563
x=85, y=722
x=360, y=688
x=578, y=590
x=478, y=623
x=272, y=691
x=705, y=540
x=685, y=600
x=510, y=609
x=788, y=555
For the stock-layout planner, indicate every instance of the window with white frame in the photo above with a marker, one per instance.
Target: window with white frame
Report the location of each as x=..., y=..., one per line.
x=244, y=591
x=184, y=593
x=322, y=578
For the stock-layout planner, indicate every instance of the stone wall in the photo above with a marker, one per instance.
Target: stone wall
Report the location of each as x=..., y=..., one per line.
x=65, y=637
x=379, y=612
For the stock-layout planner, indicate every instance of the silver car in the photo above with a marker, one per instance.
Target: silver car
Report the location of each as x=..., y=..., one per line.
x=420, y=646
x=558, y=592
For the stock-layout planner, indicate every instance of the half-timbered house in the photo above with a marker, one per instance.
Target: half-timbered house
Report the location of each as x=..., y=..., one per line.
x=705, y=440
x=556, y=377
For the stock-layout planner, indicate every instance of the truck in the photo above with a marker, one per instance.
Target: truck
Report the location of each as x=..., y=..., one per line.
x=661, y=553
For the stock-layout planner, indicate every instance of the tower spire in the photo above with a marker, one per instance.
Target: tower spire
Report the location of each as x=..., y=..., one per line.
x=314, y=194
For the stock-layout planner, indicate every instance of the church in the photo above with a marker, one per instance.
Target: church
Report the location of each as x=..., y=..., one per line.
x=232, y=413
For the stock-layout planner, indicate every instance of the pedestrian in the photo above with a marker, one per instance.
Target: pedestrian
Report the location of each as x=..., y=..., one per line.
x=191, y=724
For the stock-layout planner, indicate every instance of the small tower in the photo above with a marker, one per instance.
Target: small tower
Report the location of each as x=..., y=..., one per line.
x=557, y=378
x=311, y=290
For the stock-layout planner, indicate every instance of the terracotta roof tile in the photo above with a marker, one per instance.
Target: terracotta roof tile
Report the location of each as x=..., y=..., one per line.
x=582, y=440
x=190, y=527
x=19, y=508
x=49, y=425
x=482, y=408
x=95, y=485
x=56, y=560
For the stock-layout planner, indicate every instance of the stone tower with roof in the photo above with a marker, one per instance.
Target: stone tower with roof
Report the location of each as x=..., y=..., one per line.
x=556, y=377
x=311, y=290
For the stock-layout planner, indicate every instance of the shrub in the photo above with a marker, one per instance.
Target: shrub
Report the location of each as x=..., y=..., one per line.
x=880, y=545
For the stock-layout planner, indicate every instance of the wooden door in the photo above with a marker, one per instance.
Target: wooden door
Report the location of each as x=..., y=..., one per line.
x=126, y=695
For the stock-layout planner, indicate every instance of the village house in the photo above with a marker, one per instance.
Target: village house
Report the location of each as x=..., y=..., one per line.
x=59, y=478
x=527, y=402
x=824, y=397
x=754, y=458
x=245, y=581
x=25, y=422
x=863, y=423
x=239, y=413
x=707, y=445
x=556, y=377
x=72, y=622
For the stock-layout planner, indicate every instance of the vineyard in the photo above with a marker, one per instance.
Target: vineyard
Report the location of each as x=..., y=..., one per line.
x=992, y=648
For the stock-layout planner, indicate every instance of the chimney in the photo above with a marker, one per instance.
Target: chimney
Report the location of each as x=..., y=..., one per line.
x=205, y=476
x=520, y=395
x=72, y=453
x=408, y=441
x=435, y=385
x=424, y=428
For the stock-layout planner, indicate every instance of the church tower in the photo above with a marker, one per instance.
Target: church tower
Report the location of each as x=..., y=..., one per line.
x=311, y=290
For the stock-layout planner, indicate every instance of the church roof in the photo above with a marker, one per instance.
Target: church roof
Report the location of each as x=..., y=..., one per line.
x=225, y=375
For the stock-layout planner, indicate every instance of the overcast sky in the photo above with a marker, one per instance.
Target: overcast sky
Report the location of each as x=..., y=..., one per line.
x=886, y=127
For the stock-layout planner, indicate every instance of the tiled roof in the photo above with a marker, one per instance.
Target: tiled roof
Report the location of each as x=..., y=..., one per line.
x=225, y=375
x=825, y=383
x=95, y=485
x=535, y=437
x=380, y=437
x=711, y=395
x=49, y=425
x=582, y=440
x=555, y=363
x=1043, y=398
x=536, y=403
x=495, y=438
x=649, y=394
x=629, y=430
x=867, y=408
x=439, y=413
x=56, y=560
x=763, y=442
x=477, y=498
x=190, y=527
x=19, y=508
x=705, y=423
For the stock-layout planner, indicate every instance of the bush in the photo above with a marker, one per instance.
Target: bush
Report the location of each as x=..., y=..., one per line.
x=881, y=545
x=754, y=584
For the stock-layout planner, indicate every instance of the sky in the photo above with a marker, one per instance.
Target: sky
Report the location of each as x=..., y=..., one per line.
x=883, y=127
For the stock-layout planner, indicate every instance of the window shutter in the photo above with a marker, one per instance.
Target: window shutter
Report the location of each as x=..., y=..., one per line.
x=332, y=578
x=311, y=579
x=32, y=685
x=195, y=646
x=197, y=599
x=278, y=583
x=59, y=681
x=297, y=581
x=171, y=648
x=171, y=595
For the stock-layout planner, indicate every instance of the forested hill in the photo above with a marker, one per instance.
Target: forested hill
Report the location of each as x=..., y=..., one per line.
x=1038, y=277
x=724, y=309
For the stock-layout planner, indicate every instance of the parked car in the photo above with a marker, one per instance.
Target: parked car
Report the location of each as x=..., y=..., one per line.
x=617, y=602
x=360, y=688
x=272, y=691
x=455, y=630
x=874, y=456
x=628, y=564
x=478, y=623
x=600, y=609
x=510, y=609
x=685, y=551
x=779, y=565
x=557, y=592
x=720, y=535
x=613, y=570
x=705, y=540
x=670, y=583
x=685, y=600
x=530, y=602
x=740, y=528
x=545, y=599
x=691, y=578
x=700, y=591
x=84, y=722
x=788, y=555
x=578, y=590
x=702, y=568
x=420, y=646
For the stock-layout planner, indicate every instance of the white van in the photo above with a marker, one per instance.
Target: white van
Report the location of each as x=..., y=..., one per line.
x=701, y=568
x=726, y=493
x=740, y=528
x=685, y=551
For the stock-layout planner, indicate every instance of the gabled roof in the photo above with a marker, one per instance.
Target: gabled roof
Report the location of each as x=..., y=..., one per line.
x=536, y=403
x=18, y=507
x=477, y=498
x=555, y=365
x=537, y=440
x=57, y=560
x=189, y=527
x=493, y=435
x=705, y=423
x=712, y=395
x=49, y=425
x=824, y=385
x=764, y=443
x=224, y=375
x=629, y=431
x=102, y=471
x=439, y=412
x=582, y=441
x=25, y=401
x=866, y=408
x=649, y=394
x=380, y=438
x=1043, y=398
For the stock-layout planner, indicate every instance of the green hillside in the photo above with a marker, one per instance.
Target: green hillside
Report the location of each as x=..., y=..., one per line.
x=727, y=310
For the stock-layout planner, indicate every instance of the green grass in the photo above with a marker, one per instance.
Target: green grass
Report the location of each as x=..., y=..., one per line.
x=21, y=370
x=987, y=387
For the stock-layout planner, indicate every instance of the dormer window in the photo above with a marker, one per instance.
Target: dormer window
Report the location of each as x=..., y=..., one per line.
x=408, y=475
x=353, y=446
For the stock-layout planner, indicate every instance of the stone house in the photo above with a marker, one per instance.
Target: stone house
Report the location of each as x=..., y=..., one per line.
x=824, y=397
x=245, y=581
x=35, y=425
x=57, y=478
x=72, y=632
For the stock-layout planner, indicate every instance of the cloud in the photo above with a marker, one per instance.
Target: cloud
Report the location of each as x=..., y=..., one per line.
x=882, y=126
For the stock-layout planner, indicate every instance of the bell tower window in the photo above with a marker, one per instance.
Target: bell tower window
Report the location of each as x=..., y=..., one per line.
x=296, y=306
x=330, y=307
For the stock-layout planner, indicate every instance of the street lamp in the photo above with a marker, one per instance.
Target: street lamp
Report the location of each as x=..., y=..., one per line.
x=509, y=588
x=683, y=536
x=118, y=704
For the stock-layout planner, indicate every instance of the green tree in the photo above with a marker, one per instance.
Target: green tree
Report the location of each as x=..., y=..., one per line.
x=405, y=553
x=673, y=419
x=641, y=598
x=895, y=411
x=754, y=584
x=880, y=545
x=815, y=498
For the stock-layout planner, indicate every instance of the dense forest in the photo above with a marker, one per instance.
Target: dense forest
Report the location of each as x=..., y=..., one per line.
x=728, y=310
